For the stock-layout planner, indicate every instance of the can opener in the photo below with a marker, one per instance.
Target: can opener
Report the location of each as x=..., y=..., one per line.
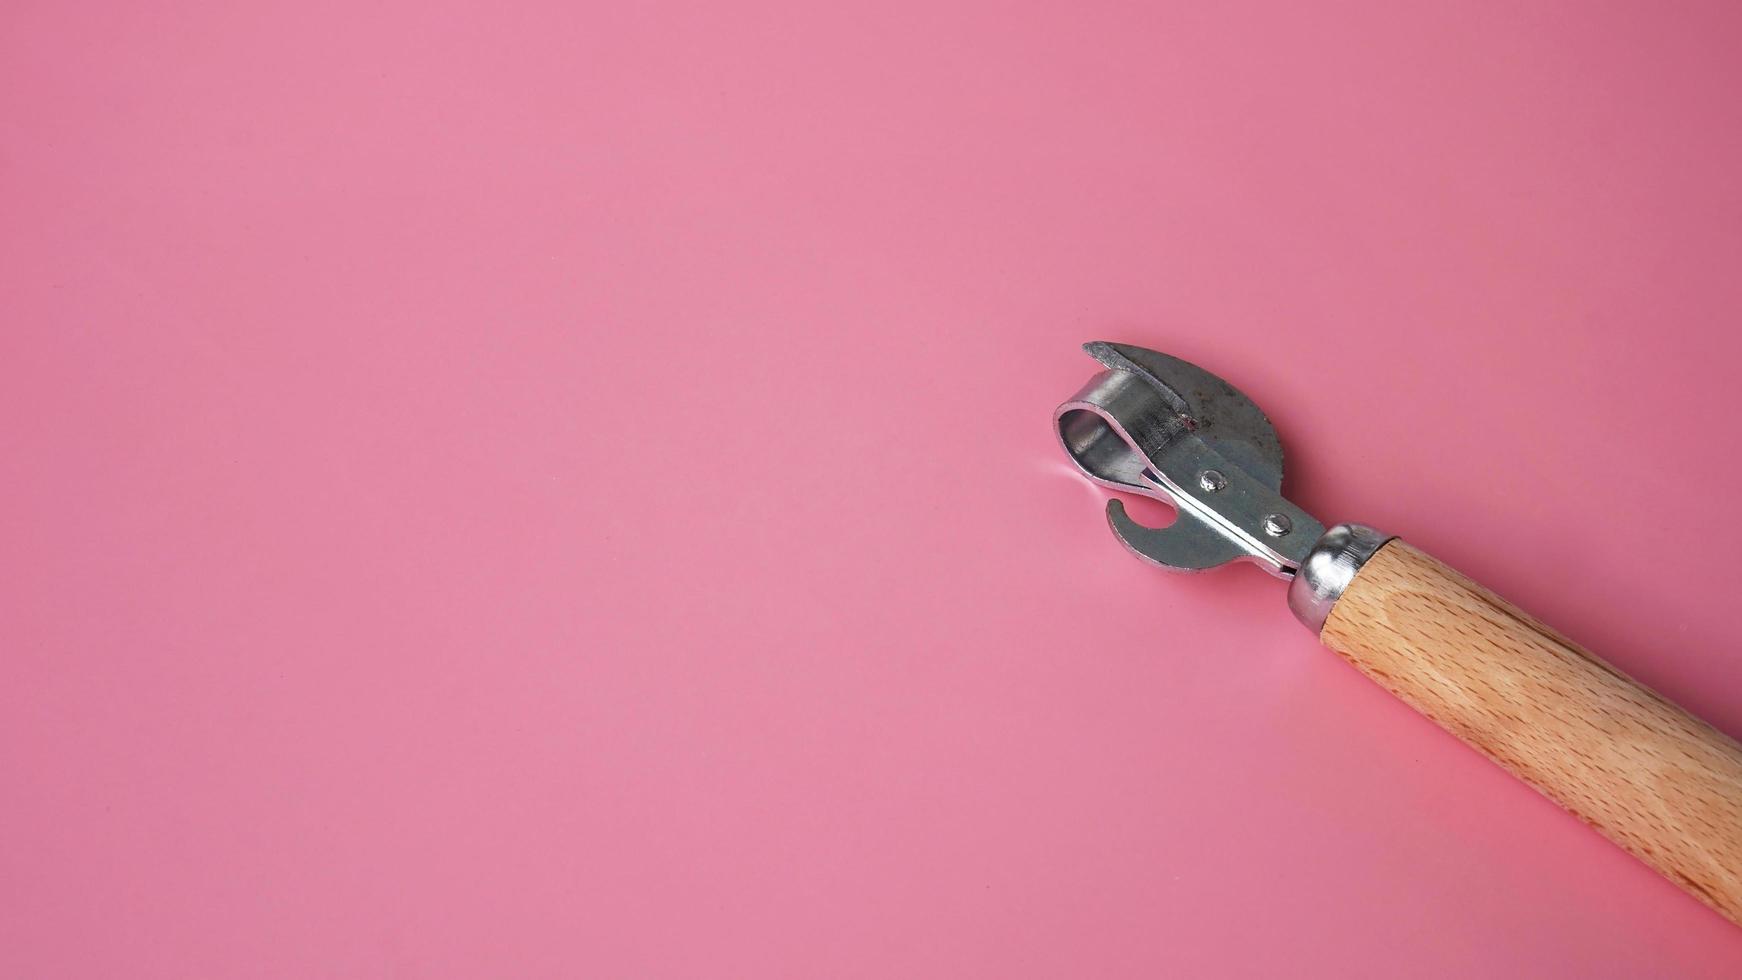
x=1646, y=774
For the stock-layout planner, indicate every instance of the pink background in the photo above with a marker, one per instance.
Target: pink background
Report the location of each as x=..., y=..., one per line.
x=567, y=490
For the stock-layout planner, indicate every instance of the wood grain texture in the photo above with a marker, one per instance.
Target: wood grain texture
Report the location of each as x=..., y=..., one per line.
x=1646, y=774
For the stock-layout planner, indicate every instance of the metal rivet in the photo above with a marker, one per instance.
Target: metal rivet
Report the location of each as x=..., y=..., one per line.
x=1277, y=525
x=1210, y=481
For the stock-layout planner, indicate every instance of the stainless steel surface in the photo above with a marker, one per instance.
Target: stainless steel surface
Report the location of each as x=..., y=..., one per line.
x=1329, y=568
x=1155, y=425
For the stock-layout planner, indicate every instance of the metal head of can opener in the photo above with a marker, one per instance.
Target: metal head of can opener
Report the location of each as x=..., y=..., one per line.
x=1648, y=775
x=1155, y=425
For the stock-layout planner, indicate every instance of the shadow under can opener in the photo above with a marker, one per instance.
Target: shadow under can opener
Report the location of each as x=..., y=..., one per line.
x=1651, y=777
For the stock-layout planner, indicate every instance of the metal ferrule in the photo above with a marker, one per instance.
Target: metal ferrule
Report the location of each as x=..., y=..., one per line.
x=1329, y=568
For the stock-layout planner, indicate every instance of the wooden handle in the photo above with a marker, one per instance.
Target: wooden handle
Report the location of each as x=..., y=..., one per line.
x=1646, y=774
